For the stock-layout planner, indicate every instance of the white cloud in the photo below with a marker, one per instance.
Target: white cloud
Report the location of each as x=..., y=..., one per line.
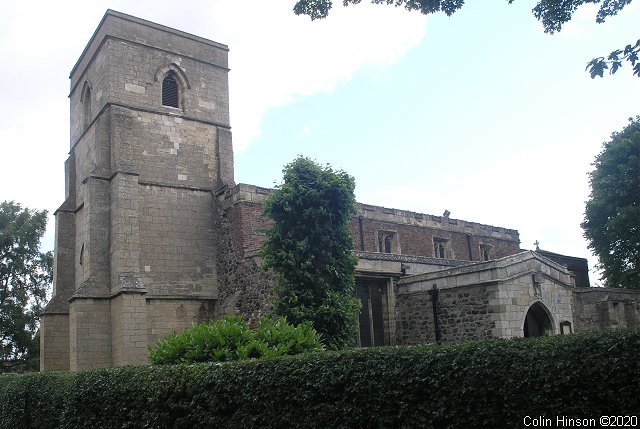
x=277, y=57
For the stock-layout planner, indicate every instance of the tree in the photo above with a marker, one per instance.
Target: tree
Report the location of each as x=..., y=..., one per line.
x=310, y=248
x=25, y=274
x=612, y=214
x=552, y=13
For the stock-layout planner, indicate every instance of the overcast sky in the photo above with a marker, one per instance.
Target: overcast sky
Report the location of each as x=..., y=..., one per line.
x=480, y=113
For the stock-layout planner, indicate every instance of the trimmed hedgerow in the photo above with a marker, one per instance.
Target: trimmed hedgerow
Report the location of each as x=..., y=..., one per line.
x=474, y=385
x=33, y=400
x=231, y=339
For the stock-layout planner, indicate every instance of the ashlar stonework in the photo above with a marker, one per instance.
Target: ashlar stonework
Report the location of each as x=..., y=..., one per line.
x=154, y=234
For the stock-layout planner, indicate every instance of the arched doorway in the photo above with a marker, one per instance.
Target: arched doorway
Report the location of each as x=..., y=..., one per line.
x=537, y=322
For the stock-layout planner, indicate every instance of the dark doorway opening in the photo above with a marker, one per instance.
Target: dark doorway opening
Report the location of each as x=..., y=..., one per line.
x=372, y=293
x=537, y=322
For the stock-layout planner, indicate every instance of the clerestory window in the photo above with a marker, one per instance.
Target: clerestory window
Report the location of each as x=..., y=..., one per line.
x=442, y=248
x=486, y=252
x=170, y=90
x=388, y=242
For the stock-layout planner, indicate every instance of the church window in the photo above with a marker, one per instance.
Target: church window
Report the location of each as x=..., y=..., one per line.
x=441, y=248
x=85, y=99
x=486, y=252
x=387, y=242
x=170, y=90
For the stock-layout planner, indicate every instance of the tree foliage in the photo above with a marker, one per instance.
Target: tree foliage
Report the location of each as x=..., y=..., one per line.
x=612, y=214
x=552, y=13
x=310, y=249
x=597, y=66
x=25, y=274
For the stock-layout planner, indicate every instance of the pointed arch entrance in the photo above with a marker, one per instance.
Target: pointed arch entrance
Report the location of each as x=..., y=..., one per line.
x=537, y=322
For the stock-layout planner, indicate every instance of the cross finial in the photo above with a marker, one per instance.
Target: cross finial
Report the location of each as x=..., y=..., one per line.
x=537, y=243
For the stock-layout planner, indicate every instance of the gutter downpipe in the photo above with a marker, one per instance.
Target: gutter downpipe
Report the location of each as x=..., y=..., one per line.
x=434, y=303
x=469, y=246
x=361, y=226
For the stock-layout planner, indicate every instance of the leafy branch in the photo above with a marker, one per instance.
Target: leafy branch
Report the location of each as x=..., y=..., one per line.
x=614, y=61
x=553, y=14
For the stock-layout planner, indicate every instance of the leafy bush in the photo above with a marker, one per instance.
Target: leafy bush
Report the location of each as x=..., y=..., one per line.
x=231, y=339
x=486, y=384
x=309, y=248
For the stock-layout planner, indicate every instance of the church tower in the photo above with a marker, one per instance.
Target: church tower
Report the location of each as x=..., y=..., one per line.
x=135, y=237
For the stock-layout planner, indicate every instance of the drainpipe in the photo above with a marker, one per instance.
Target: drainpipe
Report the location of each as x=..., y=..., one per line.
x=434, y=303
x=469, y=247
x=361, y=225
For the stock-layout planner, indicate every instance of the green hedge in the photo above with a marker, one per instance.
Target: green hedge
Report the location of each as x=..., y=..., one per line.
x=472, y=385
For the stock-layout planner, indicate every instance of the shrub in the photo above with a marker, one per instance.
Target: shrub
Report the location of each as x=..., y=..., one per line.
x=231, y=339
x=485, y=384
x=33, y=400
x=309, y=248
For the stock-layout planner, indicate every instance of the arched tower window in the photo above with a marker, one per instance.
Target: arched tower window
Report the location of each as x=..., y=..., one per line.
x=85, y=99
x=170, y=90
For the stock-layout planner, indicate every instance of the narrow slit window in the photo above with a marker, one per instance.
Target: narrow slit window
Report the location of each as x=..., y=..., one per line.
x=170, y=90
x=86, y=105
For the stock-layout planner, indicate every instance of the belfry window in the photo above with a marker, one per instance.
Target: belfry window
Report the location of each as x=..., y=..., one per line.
x=170, y=90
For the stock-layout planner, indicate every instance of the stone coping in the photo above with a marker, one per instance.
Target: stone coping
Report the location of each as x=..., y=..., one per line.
x=497, y=270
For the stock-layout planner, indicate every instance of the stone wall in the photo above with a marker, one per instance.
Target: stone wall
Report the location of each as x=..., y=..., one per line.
x=168, y=315
x=89, y=334
x=129, y=340
x=516, y=297
x=177, y=243
x=606, y=308
x=464, y=313
x=414, y=318
x=122, y=40
x=483, y=300
x=415, y=234
x=415, y=231
x=54, y=337
x=244, y=287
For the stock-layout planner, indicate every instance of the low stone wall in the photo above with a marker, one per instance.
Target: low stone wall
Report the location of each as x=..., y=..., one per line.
x=606, y=308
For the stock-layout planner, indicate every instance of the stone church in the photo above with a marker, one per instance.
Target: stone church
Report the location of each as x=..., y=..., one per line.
x=154, y=234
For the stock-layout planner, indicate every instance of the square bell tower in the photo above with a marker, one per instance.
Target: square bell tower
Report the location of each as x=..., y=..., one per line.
x=135, y=237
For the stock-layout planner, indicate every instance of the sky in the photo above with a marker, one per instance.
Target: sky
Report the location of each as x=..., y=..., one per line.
x=480, y=113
